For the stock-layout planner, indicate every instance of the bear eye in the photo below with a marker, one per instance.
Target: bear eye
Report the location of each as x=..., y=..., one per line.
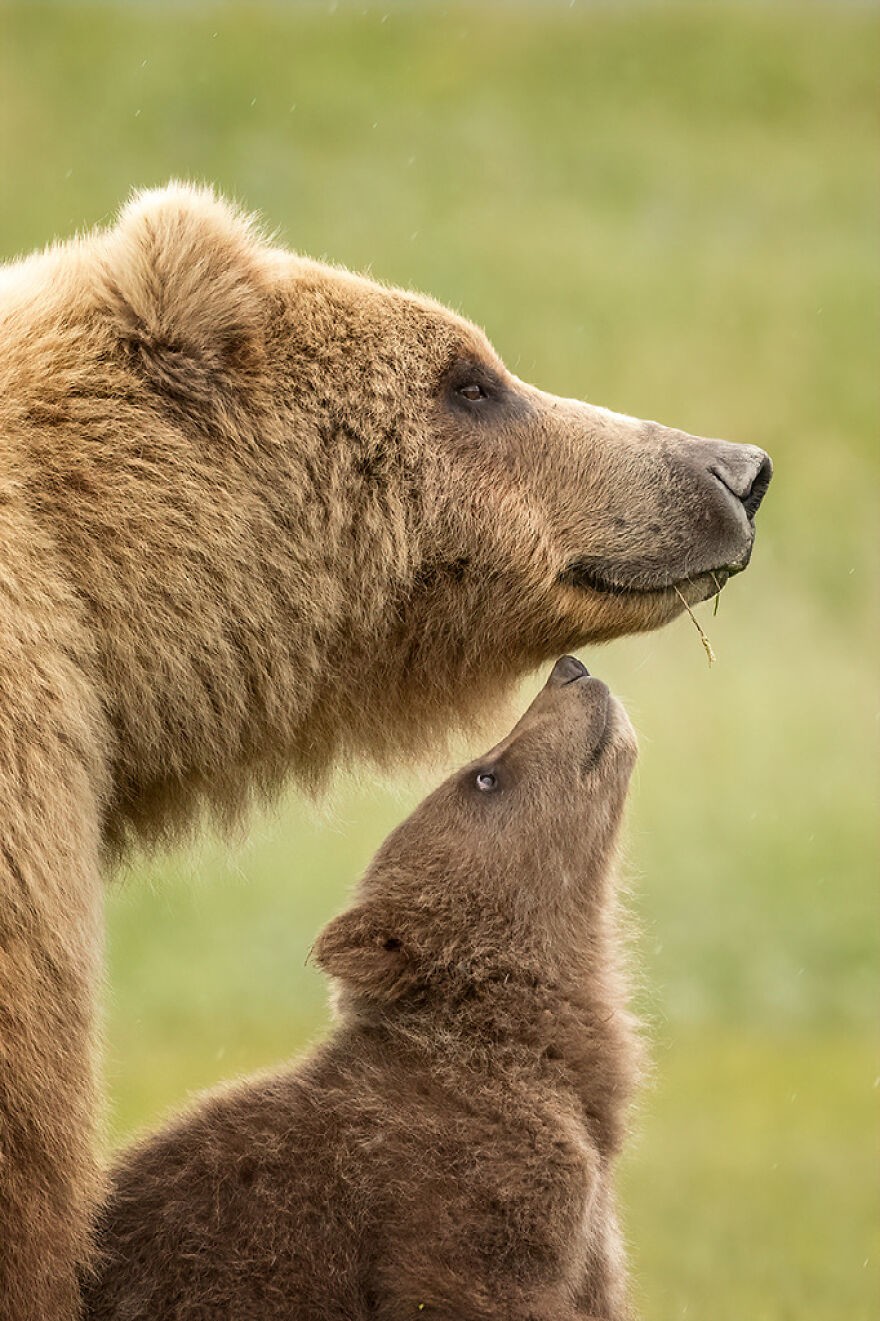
x=472, y=391
x=486, y=782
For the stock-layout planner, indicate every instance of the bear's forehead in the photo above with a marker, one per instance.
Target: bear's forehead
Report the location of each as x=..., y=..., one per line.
x=418, y=321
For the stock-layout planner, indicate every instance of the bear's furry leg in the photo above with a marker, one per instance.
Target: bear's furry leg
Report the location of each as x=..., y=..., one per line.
x=47, y=1175
x=50, y=958
x=50, y=902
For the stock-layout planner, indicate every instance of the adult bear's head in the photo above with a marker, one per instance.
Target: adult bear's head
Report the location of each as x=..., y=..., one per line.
x=568, y=523
x=515, y=524
x=375, y=521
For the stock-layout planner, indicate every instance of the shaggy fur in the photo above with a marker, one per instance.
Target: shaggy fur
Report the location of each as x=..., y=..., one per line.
x=257, y=516
x=449, y=1150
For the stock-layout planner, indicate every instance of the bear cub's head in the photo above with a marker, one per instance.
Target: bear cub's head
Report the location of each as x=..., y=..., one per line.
x=500, y=875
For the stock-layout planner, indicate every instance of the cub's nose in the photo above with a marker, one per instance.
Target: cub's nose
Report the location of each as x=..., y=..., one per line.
x=745, y=471
x=566, y=670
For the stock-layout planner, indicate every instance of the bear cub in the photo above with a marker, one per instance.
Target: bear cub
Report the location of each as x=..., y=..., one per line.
x=449, y=1151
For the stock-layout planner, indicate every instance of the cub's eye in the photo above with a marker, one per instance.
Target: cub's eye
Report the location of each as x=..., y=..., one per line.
x=486, y=782
x=472, y=391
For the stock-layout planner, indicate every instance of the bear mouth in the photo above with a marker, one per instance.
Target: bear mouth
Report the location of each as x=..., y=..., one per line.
x=628, y=580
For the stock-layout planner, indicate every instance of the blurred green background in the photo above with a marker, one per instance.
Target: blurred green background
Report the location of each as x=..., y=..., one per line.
x=671, y=211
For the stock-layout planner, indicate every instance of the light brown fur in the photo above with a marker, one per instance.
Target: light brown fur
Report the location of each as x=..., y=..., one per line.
x=249, y=526
x=449, y=1152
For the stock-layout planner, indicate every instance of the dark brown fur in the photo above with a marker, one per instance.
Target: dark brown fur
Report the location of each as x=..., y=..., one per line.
x=449, y=1151
x=231, y=480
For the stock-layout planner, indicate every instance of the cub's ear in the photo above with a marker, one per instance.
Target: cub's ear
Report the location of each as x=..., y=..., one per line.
x=366, y=947
x=185, y=274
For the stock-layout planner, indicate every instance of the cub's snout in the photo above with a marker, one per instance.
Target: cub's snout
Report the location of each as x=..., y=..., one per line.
x=584, y=713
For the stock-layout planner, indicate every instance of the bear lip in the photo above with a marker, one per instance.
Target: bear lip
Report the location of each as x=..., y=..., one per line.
x=609, y=579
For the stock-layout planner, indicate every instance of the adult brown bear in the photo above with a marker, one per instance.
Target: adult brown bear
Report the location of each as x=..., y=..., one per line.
x=256, y=515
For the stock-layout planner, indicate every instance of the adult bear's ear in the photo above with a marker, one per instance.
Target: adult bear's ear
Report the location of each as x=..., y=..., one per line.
x=367, y=949
x=186, y=276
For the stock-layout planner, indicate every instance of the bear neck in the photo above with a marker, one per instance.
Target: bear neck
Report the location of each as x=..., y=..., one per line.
x=572, y=1032
x=274, y=615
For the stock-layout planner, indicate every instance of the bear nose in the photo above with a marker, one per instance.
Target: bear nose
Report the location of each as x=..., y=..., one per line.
x=566, y=670
x=745, y=471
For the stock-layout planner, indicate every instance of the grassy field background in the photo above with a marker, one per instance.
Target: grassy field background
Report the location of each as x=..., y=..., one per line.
x=671, y=211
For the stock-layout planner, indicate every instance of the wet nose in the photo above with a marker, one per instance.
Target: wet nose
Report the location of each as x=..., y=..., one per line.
x=566, y=670
x=745, y=471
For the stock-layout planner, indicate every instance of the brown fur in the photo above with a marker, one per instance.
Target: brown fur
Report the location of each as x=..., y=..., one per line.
x=250, y=526
x=449, y=1150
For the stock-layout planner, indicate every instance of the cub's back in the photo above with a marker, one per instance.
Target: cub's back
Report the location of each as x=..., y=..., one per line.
x=237, y=1208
